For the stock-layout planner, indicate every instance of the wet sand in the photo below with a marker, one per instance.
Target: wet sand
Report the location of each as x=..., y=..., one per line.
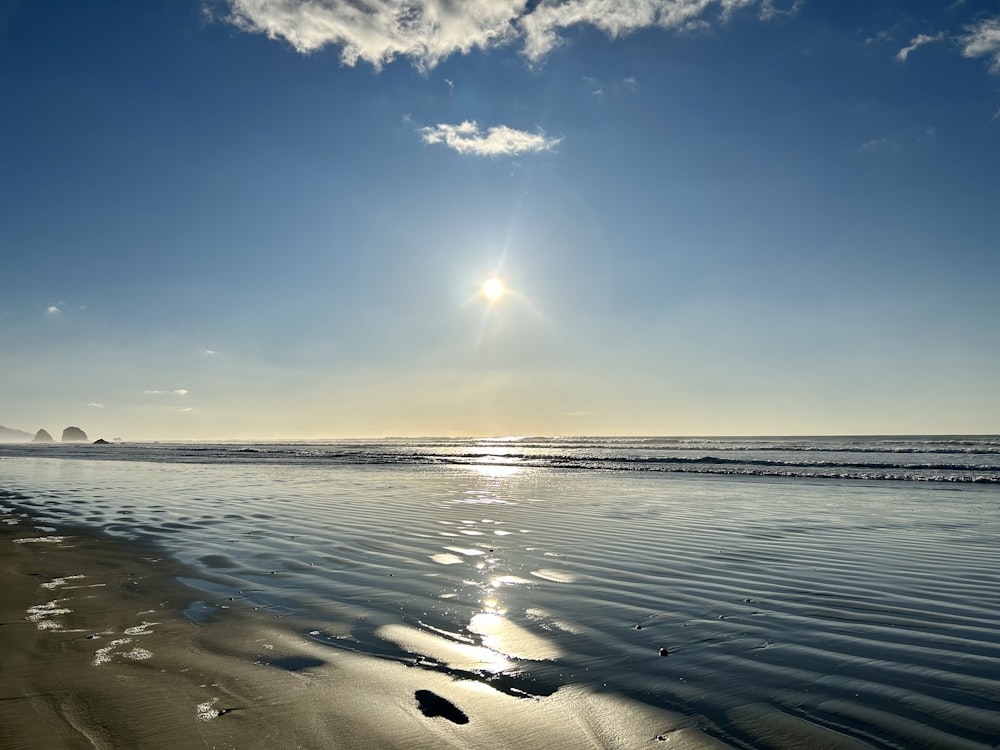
x=409, y=606
x=97, y=652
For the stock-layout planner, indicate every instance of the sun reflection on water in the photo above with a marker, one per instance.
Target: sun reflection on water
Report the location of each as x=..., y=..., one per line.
x=495, y=471
x=497, y=623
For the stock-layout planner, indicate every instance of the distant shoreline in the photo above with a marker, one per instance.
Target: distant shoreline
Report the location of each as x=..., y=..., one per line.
x=517, y=438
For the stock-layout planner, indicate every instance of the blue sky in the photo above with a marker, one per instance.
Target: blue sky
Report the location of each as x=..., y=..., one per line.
x=250, y=219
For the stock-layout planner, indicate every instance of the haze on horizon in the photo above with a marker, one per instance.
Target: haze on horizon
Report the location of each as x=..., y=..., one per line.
x=237, y=219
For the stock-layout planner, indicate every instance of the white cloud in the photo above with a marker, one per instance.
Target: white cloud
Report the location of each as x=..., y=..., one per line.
x=378, y=31
x=181, y=392
x=52, y=310
x=178, y=392
x=95, y=406
x=428, y=31
x=208, y=352
x=983, y=40
x=918, y=41
x=154, y=393
x=541, y=28
x=467, y=138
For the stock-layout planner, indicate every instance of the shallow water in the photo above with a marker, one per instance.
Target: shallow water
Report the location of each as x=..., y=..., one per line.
x=787, y=608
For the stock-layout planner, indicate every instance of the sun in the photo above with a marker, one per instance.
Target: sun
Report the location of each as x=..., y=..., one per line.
x=493, y=289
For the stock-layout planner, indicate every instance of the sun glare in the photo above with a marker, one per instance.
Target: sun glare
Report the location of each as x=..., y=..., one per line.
x=493, y=289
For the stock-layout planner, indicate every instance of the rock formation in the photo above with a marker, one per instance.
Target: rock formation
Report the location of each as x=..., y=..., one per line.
x=10, y=435
x=74, y=435
x=101, y=441
x=42, y=437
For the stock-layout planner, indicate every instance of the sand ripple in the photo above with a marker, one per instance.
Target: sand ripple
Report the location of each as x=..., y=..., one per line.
x=793, y=612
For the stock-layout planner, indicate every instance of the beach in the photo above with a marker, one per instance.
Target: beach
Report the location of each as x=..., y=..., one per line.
x=99, y=653
x=277, y=604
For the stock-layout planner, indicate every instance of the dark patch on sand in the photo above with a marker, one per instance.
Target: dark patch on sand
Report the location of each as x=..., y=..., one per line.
x=296, y=663
x=432, y=704
x=218, y=561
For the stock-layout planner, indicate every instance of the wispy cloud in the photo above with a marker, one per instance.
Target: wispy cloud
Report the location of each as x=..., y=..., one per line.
x=593, y=85
x=886, y=143
x=598, y=87
x=93, y=405
x=181, y=392
x=980, y=39
x=880, y=144
x=157, y=392
x=540, y=29
x=62, y=306
x=208, y=352
x=983, y=40
x=878, y=37
x=428, y=31
x=768, y=9
x=467, y=138
x=916, y=43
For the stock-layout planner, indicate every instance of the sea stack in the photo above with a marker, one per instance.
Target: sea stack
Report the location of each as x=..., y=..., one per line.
x=74, y=435
x=42, y=436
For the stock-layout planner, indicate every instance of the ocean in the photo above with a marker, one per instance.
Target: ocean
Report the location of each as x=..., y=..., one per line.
x=771, y=590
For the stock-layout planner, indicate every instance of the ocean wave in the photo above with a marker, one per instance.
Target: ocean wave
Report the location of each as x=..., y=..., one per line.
x=929, y=459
